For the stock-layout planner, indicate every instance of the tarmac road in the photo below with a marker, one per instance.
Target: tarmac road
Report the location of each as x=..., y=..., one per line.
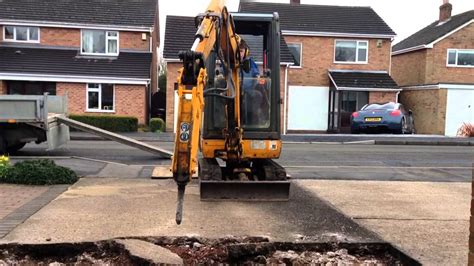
x=302, y=160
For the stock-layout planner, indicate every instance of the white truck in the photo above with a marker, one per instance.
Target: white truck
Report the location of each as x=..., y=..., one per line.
x=28, y=118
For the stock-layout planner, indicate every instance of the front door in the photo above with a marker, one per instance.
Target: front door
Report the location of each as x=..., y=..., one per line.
x=351, y=101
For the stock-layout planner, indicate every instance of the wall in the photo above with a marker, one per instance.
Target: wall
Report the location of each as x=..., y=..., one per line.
x=50, y=36
x=382, y=97
x=437, y=71
x=129, y=99
x=429, y=109
x=409, y=68
x=3, y=87
x=318, y=58
x=428, y=66
x=171, y=77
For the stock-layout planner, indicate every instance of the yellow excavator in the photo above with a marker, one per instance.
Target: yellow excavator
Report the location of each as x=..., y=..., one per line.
x=229, y=109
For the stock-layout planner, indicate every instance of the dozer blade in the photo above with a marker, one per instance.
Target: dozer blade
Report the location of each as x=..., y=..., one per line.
x=211, y=190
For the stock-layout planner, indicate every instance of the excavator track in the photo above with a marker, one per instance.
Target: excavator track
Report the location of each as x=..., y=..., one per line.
x=269, y=183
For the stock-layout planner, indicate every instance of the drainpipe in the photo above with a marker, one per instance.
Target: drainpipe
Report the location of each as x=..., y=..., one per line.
x=284, y=99
x=396, y=96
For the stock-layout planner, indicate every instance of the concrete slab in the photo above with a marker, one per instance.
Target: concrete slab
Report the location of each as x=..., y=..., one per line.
x=150, y=252
x=95, y=209
x=430, y=221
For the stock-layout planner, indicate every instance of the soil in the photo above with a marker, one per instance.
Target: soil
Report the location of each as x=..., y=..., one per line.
x=195, y=250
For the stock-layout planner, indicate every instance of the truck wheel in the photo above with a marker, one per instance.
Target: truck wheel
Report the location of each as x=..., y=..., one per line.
x=16, y=147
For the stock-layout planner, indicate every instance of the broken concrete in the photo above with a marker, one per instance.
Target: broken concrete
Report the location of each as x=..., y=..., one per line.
x=150, y=252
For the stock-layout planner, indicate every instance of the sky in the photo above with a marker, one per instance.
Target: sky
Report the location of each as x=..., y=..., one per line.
x=405, y=17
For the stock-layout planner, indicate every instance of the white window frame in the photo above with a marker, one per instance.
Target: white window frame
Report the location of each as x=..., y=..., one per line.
x=357, y=52
x=14, y=34
x=301, y=54
x=107, y=38
x=457, y=52
x=99, y=90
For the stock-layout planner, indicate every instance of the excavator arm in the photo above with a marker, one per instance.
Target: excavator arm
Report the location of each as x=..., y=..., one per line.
x=215, y=34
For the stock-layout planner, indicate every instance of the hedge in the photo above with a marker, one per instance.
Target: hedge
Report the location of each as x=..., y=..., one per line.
x=109, y=122
x=157, y=124
x=38, y=172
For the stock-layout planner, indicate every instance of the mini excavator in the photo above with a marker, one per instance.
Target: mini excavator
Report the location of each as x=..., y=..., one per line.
x=231, y=117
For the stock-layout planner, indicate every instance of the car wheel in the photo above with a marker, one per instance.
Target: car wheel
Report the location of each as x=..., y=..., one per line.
x=403, y=127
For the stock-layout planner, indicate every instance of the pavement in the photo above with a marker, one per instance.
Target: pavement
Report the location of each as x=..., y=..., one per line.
x=18, y=203
x=378, y=139
x=428, y=221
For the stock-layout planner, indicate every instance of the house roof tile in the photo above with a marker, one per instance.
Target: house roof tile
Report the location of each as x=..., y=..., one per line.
x=363, y=80
x=434, y=31
x=101, y=12
x=180, y=31
x=67, y=62
x=322, y=18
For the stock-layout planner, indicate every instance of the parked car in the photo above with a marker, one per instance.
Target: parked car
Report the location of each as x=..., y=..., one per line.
x=392, y=117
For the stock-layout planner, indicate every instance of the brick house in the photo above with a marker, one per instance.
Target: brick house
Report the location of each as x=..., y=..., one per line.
x=435, y=69
x=179, y=36
x=325, y=41
x=342, y=63
x=103, y=54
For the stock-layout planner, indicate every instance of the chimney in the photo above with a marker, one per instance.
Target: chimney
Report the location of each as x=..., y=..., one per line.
x=445, y=11
x=294, y=2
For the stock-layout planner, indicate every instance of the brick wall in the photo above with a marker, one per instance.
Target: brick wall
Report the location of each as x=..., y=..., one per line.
x=50, y=36
x=429, y=109
x=428, y=66
x=318, y=57
x=409, y=68
x=129, y=99
x=437, y=71
x=171, y=77
x=60, y=37
x=3, y=87
x=381, y=97
x=133, y=40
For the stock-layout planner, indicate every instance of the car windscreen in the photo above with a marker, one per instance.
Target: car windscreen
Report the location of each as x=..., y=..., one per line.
x=374, y=106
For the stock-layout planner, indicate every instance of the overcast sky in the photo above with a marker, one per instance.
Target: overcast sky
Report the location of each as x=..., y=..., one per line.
x=405, y=17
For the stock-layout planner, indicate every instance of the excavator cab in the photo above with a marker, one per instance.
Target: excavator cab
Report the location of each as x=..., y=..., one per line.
x=254, y=176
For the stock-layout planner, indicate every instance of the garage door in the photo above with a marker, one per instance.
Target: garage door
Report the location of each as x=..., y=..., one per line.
x=308, y=108
x=459, y=109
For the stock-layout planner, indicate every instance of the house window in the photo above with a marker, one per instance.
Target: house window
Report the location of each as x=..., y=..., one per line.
x=296, y=51
x=100, y=97
x=100, y=42
x=351, y=51
x=462, y=58
x=21, y=34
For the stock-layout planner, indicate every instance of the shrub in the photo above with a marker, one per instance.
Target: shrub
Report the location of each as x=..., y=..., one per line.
x=38, y=172
x=466, y=130
x=157, y=124
x=109, y=122
x=4, y=165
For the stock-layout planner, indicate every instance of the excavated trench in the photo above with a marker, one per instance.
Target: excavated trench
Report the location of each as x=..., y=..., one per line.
x=193, y=250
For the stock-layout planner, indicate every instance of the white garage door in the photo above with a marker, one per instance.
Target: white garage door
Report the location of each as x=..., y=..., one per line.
x=459, y=109
x=308, y=108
